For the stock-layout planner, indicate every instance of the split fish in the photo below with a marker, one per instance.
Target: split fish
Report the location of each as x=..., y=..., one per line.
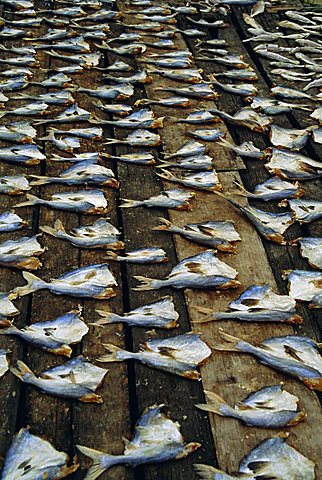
x=22, y=253
x=173, y=198
x=142, y=256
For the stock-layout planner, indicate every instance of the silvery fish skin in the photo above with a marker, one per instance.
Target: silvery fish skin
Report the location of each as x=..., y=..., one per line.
x=13, y=84
x=235, y=61
x=188, y=149
x=180, y=355
x=208, y=134
x=158, y=18
x=306, y=211
x=100, y=234
x=7, y=309
x=141, y=77
x=138, y=138
x=57, y=80
x=26, y=60
x=64, y=97
x=74, y=44
x=76, y=379
x=271, y=106
x=44, y=460
x=67, y=144
x=92, y=133
x=317, y=135
x=269, y=407
x=203, y=270
x=173, y=198
x=132, y=49
x=9, y=33
x=195, y=162
x=317, y=114
x=3, y=99
x=272, y=458
x=204, y=180
x=138, y=158
x=54, y=336
x=94, y=156
x=156, y=439
x=305, y=286
x=159, y=314
x=198, y=90
x=73, y=114
x=273, y=189
x=199, y=116
x=246, y=149
x=242, y=89
x=292, y=166
x=66, y=11
x=269, y=225
x=100, y=16
x=9, y=222
x=92, y=202
x=220, y=235
x=165, y=102
x=189, y=75
x=86, y=60
x=311, y=248
x=25, y=155
x=54, y=34
x=142, y=256
x=119, y=66
x=86, y=172
x=22, y=253
x=143, y=118
x=4, y=364
x=36, y=108
x=114, y=108
x=314, y=84
x=14, y=184
x=239, y=74
x=291, y=93
x=119, y=92
x=93, y=281
x=276, y=56
x=246, y=117
x=204, y=23
x=290, y=138
x=19, y=4
x=257, y=303
x=294, y=355
x=20, y=132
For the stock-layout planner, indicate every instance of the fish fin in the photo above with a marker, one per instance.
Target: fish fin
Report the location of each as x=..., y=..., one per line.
x=165, y=225
x=165, y=174
x=214, y=402
x=207, y=311
x=58, y=226
x=107, y=317
x=146, y=283
x=129, y=203
x=207, y=472
x=29, y=288
x=240, y=190
x=96, y=469
x=111, y=256
x=111, y=356
x=31, y=200
x=40, y=180
x=229, y=343
x=21, y=369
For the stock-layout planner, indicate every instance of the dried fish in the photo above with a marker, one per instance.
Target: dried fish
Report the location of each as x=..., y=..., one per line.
x=188, y=149
x=41, y=457
x=72, y=114
x=139, y=138
x=273, y=189
x=293, y=355
x=199, y=116
x=204, y=180
x=246, y=117
x=86, y=60
x=245, y=149
x=220, y=235
x=54, y=336
x=74, y=44
x=94, y=156
x=114, y=108
x=92, y=281
x=20, y=132
x=143, y=118
x=57, y=80
x=116, y=92
x=141, y=77
x=32, y=109
x=238, y=74
x=138, y=158
x=7, y=309
x=257, y=303
x=269, y=407
x=13, y=84
x=242, y=89
x=195, y=162
x=189, y=75
x=17, y=72
x=305, y=286
x=100, y=234
x=306, y=211
x=25, y=155
x=198, y=90
x=23, y=61
x=203, y=270
x=165, y=102
x=271, y=458
x=63, y=97
x=156, y=439
x=67, y=143
x=132, y=49
x=292, y=166
x=160, y=314
x=53, y=34
x=101, y=16
x=310, y=248
x=234, y=61
x=290, y=138
x=119, y=66
x=271, y=106
x=208, y=134
x=141, y=255
x=9, y=222
x=14, y=184
x=291, y=93
x=76, y=379
x=22, y=253
x=179, y=355
x=173, y=198
x=92, y=133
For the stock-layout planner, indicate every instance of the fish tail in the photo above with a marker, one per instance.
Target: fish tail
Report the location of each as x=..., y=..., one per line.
x=208, y=312
x=166, y=175
x=112, y=355
x=40, y=180
x=130, y=203
x=207, y=472
x=111, y=256
x=214, y=404
x=7, y=328
x=96, y=469
x=240, y=191
x=229, y=344
x=21, y=369
x=31, y=200
x=32, y=280
x=165, y=225
x=146, y=283
x=107, y=317
x=58, y=226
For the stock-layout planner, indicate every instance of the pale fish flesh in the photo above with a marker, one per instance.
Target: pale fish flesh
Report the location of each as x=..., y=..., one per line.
x=273, y=189
x=203, y=270
x=92, y=281
x=180, y=355
x=100, y=234
x=305, y=286
x=9, y=222
x=142, y=255
x=173, y=198
x=14, y=184
x=269, y=407
x=77, y=379
x=7, y=309
x=156, y=439
x=22, y=253
x=311, y=248
x=159, y=314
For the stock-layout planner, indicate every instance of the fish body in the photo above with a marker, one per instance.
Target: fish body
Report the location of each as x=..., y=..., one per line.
x=139, y=138
x=219, y=235
x=14, y=184
x=311, y=248
x=292, y=165
x=63, y=97
x=25, y=155
x=208, y=134
x=13, y=84
x=188, y=149
x=92, y=281
x=54, y=336
x=91, y=202
x=143, y=118
x=132, y=49
x=114, y=108
x=269, y=407
x=4, y=364
x=140, y=77
x=290, y=138
x=156, y=439
x=17, y=72
x=22, y=253
x=188, y=75
x=10, y=222
x=138, y=158
x=246, y=149
x=54, y=34
x=290, y=93
x=7, y=310
x=68, y=144
x=173, y=198
x=73, y=44
x=76, y=380
x=166, y=102
x=30, y=110
x=57, y=80
x=73, y=114
x=180, y=355
x=198, y=90
x=195, y=162
x=20, y=132
x=142, y=256
x=244, y=90
x=246, y=117
x=22, y=61
x=272, y=458
x=203, y=270
x=159, y=314
x=305, y=286
x=306, y=211
x=119, y=92
x=93, y=133
x=199, y=116
x=274, y=189
x=239, y=74
x=86, y=60
x=100, y=234
x=204, y=180
x=43, y=459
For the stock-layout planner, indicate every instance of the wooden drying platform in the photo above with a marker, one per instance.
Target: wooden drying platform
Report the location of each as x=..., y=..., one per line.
x=129, y=388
